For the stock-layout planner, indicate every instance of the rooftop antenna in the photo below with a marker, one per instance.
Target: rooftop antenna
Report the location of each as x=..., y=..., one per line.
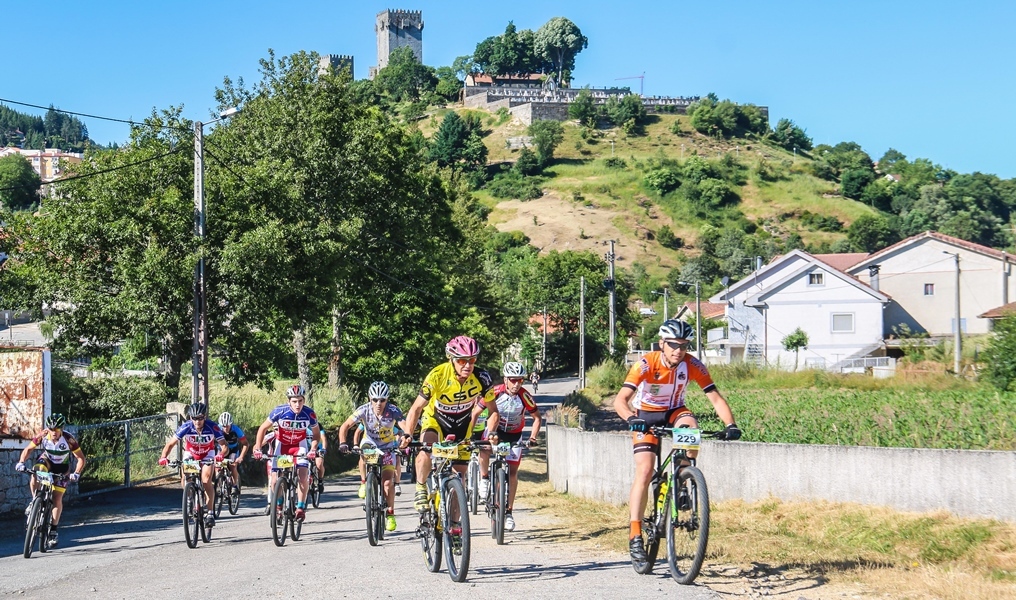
x=641, y=78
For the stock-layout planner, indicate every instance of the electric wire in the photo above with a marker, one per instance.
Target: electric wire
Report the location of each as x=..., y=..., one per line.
x=80, y=114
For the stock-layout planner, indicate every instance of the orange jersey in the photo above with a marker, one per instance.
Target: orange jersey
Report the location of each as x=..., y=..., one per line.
x=658, y=387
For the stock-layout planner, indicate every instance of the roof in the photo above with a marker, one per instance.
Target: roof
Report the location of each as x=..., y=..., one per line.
x=479, y=78
x=842, y=261
x=773, y=289
x=710, y=310
x=948, y=239
x=1006, y=310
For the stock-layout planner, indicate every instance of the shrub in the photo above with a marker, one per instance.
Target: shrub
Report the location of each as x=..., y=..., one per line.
x=514, y=185
x=662, y=180
x=615, y=162
x=667, y=238
x=527, y=163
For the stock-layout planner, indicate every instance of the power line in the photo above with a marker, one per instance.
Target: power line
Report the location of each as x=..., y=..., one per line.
x=80, y=114
x=94, y=173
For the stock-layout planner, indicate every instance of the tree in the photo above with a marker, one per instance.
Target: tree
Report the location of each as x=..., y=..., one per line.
x=794, y=342
x=853, y=182
x=790, y=136
x=404, y=78
x=19, y=183
x=559, y=41
x=870, y=233
x=1000, y=355
x=458, y=143
x=583, y=108
x=546, y=137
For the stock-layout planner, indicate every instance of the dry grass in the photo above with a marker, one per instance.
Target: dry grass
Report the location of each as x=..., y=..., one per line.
x=818, y=551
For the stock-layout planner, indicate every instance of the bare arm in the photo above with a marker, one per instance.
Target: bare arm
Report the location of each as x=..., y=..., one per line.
x=260, y=439
x=415, y=412
x=537, y=422
x=621, y=403
x=721, y=407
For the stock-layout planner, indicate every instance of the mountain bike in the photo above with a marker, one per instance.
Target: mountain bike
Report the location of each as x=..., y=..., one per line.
x=193, y=502
x=40, y=516
x=282, y=515
x=678, y=513
x=473, y=480
x=375, y=502
x=317, y=485
x=227, y=490
x=445, y=495
x=497, y=495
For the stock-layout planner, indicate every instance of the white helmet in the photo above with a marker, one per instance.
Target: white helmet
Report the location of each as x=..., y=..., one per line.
x=379, y=389
x=672, y=329
x=513, y=369
x=226, y=420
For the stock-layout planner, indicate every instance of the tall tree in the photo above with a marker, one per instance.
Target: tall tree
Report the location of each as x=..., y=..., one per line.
x=559, y=41
x=19, y=183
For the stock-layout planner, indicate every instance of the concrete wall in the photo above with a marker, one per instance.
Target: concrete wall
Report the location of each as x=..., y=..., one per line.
x=969, y=483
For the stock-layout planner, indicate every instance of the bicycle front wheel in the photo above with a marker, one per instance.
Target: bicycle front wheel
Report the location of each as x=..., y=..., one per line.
x=500, y=496
x=221, y=494
x=191, y=515
x=687, y=525
x=456, y=528
x=34, y=520
x=315, y=490
x=473, y=479
x=234, y=497
x=295, y=526
x=277, y=519
x=370, y=505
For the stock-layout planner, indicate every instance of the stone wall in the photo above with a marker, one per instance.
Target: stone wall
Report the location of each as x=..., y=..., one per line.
x=14, y=494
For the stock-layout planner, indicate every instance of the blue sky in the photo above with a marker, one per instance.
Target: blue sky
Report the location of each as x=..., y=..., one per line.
x=932, y=79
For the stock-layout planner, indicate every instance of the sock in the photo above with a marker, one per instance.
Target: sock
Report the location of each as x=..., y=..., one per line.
x=391, y=512
x=301, y=505
x=635, y=530
x=362, y=481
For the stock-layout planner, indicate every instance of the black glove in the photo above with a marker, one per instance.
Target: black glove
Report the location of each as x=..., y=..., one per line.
x=731, y=433
x=637, y=424
x=343, y=448
x=533, y=442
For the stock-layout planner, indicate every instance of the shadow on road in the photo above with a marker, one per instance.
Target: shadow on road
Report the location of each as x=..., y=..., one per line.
x=534, y=571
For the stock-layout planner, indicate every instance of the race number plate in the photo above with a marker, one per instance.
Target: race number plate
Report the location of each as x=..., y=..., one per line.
x=284, y=462
x=44, y=477
x=687, y=439
x=503, y=449
x=445, y=451
x=371, y=456
x=191, y=466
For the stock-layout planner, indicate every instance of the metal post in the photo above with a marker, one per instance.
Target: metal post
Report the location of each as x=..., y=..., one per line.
x=958, y=350
x=199, y=367
x=582, y=332
x=610, y=258
x=543, y=351
x=666, y=308
x=698, y=322
x=127, y=454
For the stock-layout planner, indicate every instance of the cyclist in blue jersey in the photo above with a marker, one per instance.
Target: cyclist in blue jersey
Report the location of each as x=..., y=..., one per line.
x=291, y=422
x=237, y=443
x=199, y=435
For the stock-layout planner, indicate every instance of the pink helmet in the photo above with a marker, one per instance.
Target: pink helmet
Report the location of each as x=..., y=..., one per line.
x=462, y=347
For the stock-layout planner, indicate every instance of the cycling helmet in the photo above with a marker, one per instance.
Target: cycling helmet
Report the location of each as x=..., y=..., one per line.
x=226, y=420
x=294, y=391
x=56, y=421
x=513, y=369
x=198, y=409
x=462, y=347
x=674, y=329
x=379, y=389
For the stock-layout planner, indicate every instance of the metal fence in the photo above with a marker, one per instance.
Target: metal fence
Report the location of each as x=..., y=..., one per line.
x=121, y=454
x=860, y=364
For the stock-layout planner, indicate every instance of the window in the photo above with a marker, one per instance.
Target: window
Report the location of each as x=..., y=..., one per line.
x=843, y=322
x=816, y=278
x=929, y=289
x=814, y=363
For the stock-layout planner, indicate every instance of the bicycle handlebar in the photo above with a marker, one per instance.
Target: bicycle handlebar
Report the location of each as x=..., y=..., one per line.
x=660, y=430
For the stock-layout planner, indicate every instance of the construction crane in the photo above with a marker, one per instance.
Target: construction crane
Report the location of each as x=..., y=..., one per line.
x=641, y=78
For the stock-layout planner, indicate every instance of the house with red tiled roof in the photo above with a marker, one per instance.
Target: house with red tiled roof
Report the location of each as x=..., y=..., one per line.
x=921, y=273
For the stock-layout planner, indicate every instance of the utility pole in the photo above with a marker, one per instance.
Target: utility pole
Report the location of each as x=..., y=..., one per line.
x=543, y=352
x=582, y=332
x=958, y=339
x=610, y=288
x=199, y=359
x=698, y=322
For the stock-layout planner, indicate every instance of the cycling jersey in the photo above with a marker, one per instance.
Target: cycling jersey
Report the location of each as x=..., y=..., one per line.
x=56, y=451
x=292, y=426
x=234, y=437
x=449, y=401
x=379, y=429
x=659, y=387
x=199, y=443
x=512, y=409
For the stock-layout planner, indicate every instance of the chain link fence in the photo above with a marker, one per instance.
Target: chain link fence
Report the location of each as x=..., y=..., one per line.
x=122, y=454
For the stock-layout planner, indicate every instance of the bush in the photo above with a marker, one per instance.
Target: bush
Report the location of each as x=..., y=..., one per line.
x=662, y=180
x=615, y=162
x=667, y=238
x=527, y=163
x=1000, y=355
x=514, y=185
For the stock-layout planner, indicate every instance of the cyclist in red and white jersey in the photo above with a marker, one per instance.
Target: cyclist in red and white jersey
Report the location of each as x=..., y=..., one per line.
x=292, y=421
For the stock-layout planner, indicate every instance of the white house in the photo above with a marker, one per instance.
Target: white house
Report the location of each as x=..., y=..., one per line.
x=920, y=274
x=841, y=315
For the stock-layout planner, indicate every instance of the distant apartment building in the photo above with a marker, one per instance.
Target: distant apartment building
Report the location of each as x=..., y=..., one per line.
x=48, y=164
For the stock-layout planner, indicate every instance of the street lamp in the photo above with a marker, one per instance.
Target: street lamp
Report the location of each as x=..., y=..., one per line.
x=665, y=294
x=698, y=318
x=199, y=359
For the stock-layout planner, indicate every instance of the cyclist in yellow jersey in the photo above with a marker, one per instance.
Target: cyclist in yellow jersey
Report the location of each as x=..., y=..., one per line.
x=444, y=408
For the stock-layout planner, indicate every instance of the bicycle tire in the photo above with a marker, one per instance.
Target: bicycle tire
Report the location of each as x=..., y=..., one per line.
x=278, y=528
x=382, y=508
x=473, y=478
x=501, y=498
x=430, y=536
x=295, y=525
x=46, y=519
x=453, y=495
x=687, y=528
x=315, y=491
x=206, y=531
x=370, y=505
x=220, y=497
x=234, y=497
x=191, y=515
x=32, y=531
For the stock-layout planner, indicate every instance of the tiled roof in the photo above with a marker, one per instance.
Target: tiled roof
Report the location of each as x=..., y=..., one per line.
x=948, y=239
x=1006, y=310
x=842, y=261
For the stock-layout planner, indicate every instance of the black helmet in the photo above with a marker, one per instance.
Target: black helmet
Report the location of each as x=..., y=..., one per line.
x=56, y=421
x=672, y=329
x=198, y=409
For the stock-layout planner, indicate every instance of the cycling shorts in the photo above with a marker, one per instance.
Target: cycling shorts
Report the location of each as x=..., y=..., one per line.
x=60, y=472
x=515, y=456
x=207, y=458
x=647, y=442
x=441, y=425
x=298, y=451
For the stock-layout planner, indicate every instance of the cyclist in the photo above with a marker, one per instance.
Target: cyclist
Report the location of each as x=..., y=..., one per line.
x=199, y=435
x=292, y=421
x=534, y=377
x=444, y=408
x=513, y=402
x=236, y=441
x=57, y=447
x=379, y=418
x=653, y=395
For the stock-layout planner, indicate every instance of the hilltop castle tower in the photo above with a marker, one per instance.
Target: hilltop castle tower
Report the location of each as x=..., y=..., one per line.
x=395, y=29
x=336, y=61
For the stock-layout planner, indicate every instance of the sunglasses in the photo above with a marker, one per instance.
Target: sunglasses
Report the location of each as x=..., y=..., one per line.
x=379, y=400
x=466, y=361
x=677, y=345
x=197, y=418
x=515, y=379
x=297, y=400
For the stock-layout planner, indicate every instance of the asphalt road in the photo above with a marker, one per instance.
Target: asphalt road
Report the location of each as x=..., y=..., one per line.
x=126, y=543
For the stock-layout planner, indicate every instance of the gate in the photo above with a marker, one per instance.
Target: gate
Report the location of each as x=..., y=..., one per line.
x=122, y=454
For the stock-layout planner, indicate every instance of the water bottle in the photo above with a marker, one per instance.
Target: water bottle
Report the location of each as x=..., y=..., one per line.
x=662, y=498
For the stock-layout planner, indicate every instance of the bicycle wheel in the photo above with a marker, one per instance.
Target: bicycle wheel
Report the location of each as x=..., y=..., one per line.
x=315, y=490
x=34, y=519
x=456, y=551
x=221, y=494
x=501, y=500
x=473, y=480
x=206, y=531
x=191, y=515
x=651, y=531
x=278, y=521
x=234, y=496
x=370, y=504
x=295, y=526
x=429, y=532
x=687, y=526
x=45, y=520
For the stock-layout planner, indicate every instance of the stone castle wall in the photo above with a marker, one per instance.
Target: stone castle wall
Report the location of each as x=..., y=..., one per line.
x=395, y=29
